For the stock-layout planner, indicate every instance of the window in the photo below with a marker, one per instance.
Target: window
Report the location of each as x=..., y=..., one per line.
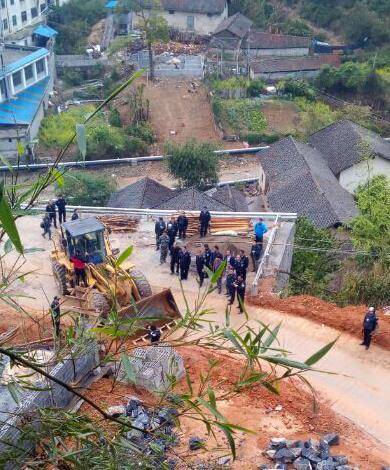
x=191, y=22
x=12, y=2
x=24, y=16
x=171, y=12
x=9, y=139
x=14, y=20
x=28, y=72
x=43, y=6
x=2, y=3
x=17, y=79
x=34, y=12
x=40, y=64
x=5, y=24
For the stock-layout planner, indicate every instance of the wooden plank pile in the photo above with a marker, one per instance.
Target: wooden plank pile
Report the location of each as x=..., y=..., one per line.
x=239, y=225
x=120, y=223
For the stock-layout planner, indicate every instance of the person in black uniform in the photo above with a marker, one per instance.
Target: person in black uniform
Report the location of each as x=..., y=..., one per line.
x=231, y=279
x=244, y=260
x=370, y=324
x=61, y=204
x=204, y=221
x=255, y=255
x=172, y=232
x=240, y=286
x=75, y=215
x=175, y=259
x=182, y=224
x=185, y=263
x=159, y=228
x=208, y=257
x=230, y=260
x=200, y=267
x=56, y=315
x=217, y=253
x=154, y=334
x=51, y=211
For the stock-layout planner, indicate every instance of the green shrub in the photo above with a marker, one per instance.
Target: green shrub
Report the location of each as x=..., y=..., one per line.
x=240, y=115
x=298, y=88
x=136, y=146
x=143, y=131
x=255, y=87
x=114, y=118
x=193, y=163
x=254, y=138
x=72, y=77
x=82, y=188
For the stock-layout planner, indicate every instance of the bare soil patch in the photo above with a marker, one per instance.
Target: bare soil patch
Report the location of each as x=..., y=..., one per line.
x=97, y=32
x=346, y=319
x=282, y=116
x=253, y=409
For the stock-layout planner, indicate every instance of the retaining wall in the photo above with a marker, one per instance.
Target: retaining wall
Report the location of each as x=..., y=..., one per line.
x=57, y=397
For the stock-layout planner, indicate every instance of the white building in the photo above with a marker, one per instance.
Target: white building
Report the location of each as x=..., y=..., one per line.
x=26, y=80
x=198, y=16
x=346, y=147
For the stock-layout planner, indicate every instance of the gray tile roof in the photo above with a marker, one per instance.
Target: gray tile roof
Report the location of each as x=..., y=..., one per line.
x=211, y=7
x=341, y=144
x=192, y=200
x=238, y=24
x=294, y=64
x=299, y=180
x=229, y=196
x=143, y=194
x=265, y=40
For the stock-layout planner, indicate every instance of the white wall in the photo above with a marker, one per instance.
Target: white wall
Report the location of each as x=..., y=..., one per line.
x=203, y=24
x=16, y=10
x=358, y=174
x=282, y=75
x=296, y=51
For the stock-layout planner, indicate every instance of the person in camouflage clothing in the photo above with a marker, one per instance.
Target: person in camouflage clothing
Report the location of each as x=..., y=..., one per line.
x=164, y=242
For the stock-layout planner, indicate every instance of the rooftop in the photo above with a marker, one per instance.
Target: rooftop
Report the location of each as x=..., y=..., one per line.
x=143, y=194
x=341, y=144
x=211, y=7
x=229, y=196
x=16, y=57
x=83, y=226
x=299, y=180
x=295, y=64
x=193, y=200
x=265, y=40
x=21, y=109
x=238, y=24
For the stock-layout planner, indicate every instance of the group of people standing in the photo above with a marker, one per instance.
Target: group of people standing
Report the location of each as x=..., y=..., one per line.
x=50, y=216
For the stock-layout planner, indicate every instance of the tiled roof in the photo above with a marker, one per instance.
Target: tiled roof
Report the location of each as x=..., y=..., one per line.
x=341, y=144
x=230, y=196
x=143, y=194
x=211, y=7
x=299, y=180
x=238, y=24
x=192, y=200
x=264, y=40
x=295, y=64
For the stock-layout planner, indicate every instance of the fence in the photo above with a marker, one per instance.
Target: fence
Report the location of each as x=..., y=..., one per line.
x=191, y=66
x=70, y=370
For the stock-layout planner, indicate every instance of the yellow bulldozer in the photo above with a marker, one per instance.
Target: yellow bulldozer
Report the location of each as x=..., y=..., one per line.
x=106, y=281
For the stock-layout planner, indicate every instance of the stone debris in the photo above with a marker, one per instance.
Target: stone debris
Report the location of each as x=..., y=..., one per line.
x=305, y=455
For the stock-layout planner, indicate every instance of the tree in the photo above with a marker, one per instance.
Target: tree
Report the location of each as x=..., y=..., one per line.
x=315, y=115
x=296, y=27
x=86, y=189
x=151, y=22
x=193, y=164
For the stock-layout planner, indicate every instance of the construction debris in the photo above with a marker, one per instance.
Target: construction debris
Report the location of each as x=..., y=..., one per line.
x=174, y=47
x=120, y=223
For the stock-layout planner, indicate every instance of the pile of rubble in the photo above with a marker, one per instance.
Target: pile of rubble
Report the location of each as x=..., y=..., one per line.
x=305, y=455
x=252, y=189
x=178, y=48
x=154, y=433
x=120, y=223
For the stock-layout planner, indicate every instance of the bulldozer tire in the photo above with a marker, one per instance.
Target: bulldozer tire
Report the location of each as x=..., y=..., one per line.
x=100, y=304
x=59, y=272
x=141, y=283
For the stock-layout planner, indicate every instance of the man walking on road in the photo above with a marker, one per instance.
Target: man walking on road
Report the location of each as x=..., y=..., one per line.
x=200, y=267
x=231, y=286
x=182, y=224
x=240, y=288
x=255, y=255
x=164, y=246
x=370, y=324
x=61, y=204
x=204, y=221
x=51, y=211
x=46, y=225
x=159, y=228
x=175, y=259
x=172, y=232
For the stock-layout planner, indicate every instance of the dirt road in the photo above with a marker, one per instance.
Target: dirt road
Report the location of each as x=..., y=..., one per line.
x=362, y=396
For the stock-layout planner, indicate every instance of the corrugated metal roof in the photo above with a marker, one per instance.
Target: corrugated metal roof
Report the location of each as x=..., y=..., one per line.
x=22, y=108
x=45, y=31
x=295, y=64
x=23, y=61
x=238, y=24
x=111, y=4
x=83, y=226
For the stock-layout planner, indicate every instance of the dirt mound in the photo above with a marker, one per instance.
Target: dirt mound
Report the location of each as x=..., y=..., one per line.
x=224, y=242
x=346, y=319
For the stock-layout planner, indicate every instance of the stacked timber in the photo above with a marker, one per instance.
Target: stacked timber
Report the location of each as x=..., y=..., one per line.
x=225, y=224
x=119, y=223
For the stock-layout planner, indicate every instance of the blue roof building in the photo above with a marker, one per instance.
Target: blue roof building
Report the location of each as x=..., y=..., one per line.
x=26, y=80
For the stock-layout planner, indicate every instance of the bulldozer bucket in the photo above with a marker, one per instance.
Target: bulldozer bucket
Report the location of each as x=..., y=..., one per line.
x=159, y=309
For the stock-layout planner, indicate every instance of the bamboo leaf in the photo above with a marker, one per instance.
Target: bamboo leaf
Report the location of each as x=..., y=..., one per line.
x=8, y=246
x=7, y=163
x=211, y=408
x=189, y=384
x=81, y=139
x=321, y=353
x=229, y=437
x=123, y=256
x=270, y=339
x=218, y=273
x=20, y=149
x=284, y=361
x=128, y=368
x=13, y=390
x=7, y=221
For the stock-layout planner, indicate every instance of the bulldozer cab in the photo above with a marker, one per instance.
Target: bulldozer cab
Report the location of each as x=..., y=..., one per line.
x=85, y=237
